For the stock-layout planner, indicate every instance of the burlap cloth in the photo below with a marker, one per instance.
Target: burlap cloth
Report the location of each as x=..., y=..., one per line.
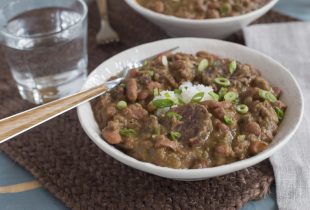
x=66, y=162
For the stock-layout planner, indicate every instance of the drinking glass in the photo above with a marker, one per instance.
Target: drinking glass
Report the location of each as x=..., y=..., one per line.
x=45, y=44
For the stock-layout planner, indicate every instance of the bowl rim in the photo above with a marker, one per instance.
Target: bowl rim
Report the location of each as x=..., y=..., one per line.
x=191, y=174
x=133, y=4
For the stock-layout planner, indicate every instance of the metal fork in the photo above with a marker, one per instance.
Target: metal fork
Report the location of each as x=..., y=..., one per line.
x=106, y=33
x=24, y=121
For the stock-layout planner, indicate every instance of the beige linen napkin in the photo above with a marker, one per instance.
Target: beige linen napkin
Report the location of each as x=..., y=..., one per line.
x=289, y=43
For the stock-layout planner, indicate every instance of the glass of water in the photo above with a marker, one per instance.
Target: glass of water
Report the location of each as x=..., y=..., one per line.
x=45, y=44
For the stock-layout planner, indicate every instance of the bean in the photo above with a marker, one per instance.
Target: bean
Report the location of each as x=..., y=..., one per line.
x=257, y=147
x=223, y=150
x=112, y=136
x=143, y=94
x=221, y=126
x=219, y=112
x=159, y=6
x=262, y=83
x=213, y=13
x=111, y=111
x=132, y=90
x=133, y=73
x=253, y=127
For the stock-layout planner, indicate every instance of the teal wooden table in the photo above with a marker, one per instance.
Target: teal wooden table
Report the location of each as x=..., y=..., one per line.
x=34, y=197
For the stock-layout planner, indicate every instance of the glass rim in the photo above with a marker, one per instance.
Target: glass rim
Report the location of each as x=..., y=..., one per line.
x=6, y=34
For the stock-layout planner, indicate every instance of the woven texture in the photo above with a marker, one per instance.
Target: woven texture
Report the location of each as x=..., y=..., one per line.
x=76, y=171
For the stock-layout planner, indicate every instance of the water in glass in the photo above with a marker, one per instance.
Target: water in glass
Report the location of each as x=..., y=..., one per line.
x=47, y=52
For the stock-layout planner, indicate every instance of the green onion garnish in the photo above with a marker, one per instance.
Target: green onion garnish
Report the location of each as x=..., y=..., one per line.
x=231, y=96
x=151, y=73
x=174, y=114
x=271, y=97
x=203, y=65
x=228, y=120
x=162, y=103
x=224, y=9
x=267, y=95
x=197, y=97
x=232, y=67
x=215, y=96
x=156, y=92
x=222, y=81
x=121, y=105
x=262, y=93
x=177, y=91
x=242, y=108
x=279, y=112
x=127, y=132
x=167, y=95
x=222, y=92
x=175, y=135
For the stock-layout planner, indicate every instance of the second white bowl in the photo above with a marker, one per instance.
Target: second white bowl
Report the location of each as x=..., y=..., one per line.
x=207, y=28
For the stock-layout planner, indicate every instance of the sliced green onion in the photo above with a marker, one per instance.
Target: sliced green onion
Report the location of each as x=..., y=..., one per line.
x=262, y=94
x=242, y=108
x=156, y=92
x=177, y=91
x=167, y=95
x=224, y=9
x=215, y=96
x=197, y=97
x=222, y=92
x=162, y=103
x=222, y=81
x=267, y=95
x=150, y=73
x=231, y=96
x=271, y=97
x=127, y=132
x=121, y=105
x=232, y=67
x=279, y=112
x=203, y=65
x=174, y=114
x=180, y=101
x=175, y=135
x=228, y=120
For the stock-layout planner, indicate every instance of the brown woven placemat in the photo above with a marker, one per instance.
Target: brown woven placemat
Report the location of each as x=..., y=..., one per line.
x=76, y=171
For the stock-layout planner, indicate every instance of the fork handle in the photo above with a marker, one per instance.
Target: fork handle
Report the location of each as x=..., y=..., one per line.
x=103, y=9
x=19, y=123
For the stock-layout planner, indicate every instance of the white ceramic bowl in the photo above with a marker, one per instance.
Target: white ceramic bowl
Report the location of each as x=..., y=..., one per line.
x=270, y=69
x=208, y=28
